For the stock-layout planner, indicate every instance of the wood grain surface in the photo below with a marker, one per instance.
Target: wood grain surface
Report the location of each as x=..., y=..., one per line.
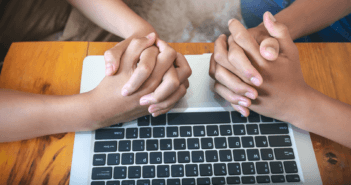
x=55, y=68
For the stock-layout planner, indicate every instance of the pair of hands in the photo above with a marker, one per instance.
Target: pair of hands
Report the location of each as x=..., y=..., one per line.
x=143, y=75
x=259, y=69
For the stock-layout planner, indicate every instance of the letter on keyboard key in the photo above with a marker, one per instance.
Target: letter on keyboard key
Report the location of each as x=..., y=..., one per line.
x=220, y=142
x=225, y=155
x=225, y=130
x=144, y=121
x=166, y=144
x=199, y=131
x=152, y=144
x=183, y=157
x=238, y=118
x=105, y=146
x=275, y=128
x=185, y=131
x=119, y=172
x=203, y=181
x=179, y=144
x=284, y=153
x=253, y=155
x=239, y=155
x=212, y=130
x=169, y=157
x=155, y=157
x=193, y=143
x=188, y=181
x=267, y=154
x=141, y=158
x=197, y=156
x=211, y=156
x=198, y=118
x=261, y=141
x=117, y=133
x=278, y=141
x=101, y=173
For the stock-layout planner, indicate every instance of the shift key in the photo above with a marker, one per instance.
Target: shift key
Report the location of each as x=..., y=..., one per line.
x=109, y=133
x=276, y=128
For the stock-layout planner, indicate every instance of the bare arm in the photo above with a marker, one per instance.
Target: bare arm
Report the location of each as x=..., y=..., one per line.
x=114, y=16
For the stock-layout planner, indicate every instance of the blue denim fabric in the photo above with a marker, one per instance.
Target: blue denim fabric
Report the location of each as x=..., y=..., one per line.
x=253, y=10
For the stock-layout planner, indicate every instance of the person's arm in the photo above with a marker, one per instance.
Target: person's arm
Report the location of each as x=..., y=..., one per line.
x=114, y=16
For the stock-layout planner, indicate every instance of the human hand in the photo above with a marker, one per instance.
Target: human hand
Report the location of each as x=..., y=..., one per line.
x=106, y=103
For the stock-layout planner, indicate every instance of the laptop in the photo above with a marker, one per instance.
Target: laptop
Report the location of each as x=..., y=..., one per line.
x=202, y=141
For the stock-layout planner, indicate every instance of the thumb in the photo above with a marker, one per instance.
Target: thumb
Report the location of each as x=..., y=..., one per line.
x=269, y=48
x=278, y=31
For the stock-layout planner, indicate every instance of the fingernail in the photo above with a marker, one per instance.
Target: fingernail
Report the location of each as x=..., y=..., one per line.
x=231, y=20
x=144, y=102
x=255, y=81
x=250, y=95
x=154, y=109
x=160, y=46
x=124, y=92
x=241, y=110
x=151, y=35
x=154, y=114
x=108, y=70
x=243, y=103
x=270, y=51
x=271, y=17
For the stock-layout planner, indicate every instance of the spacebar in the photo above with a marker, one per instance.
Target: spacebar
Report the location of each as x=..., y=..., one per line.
x=198, y=118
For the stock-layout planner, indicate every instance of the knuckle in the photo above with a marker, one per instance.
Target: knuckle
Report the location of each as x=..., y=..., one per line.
x=174, y=83
x=218, y=75
x=232, y=56
x=136, y=42
x=144, y=69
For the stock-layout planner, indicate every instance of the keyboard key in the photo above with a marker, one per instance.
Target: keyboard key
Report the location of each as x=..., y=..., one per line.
x=233, y=180
x=279, y=141
x=254, y=117
x=188, y=181
x=234, y=169
x=134, y=172
x=155, y=157
x=131, y=133
x=211, y=156
x=278, y=178
x=141, y=158
x=163, y=171
x=138, y=145
x=145, y=132
x=193, y=143
x=119, y=172
x=177, y=171
x=117, y=133
x=199, y=130
x=124, y=145
x=263, y=179
x=267, y=154
x=252, y=129
x=144, y=121
x=253, y=155
x=143, y=182
x=293, y=178
x=290, y=167
x=248, y=180
x=179, y=144
x=276, y=167
x=117, y=125
x=166, y=144
x=220, y=142
x=173, y=181
x=239, y=155
x=205, y=169
x=219, y=169
x=172, y=131
x=275, y=128
x=262, y=168
x=239, y=129
x=248, y=168
x=191, y=170
x=203, y=181
x=266, y=119
x=148, y=171
x=247, y=142
x=159, y=131
x=151, y=144
x=158, y=182
x=198, y=118
x=234, y=142
x=101, y=173
x=261, y=141
x=237, y=117
x=159, y=120
x=112, y=183
x=225, y=130
x=127, y=158
x=284, y=153
x=128, y=182
x=169, y=157
x=218, y=180
x=185, y=131
x=99, y=159
x=212, y=130
x=197, y=156
x=105, y=146
x=225, y=155
x=113, y=159
x=206, y=143
x=183, y=157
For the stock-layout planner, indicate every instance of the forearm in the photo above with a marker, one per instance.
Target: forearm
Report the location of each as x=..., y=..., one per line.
x=25, y=115
x=114, y=16
x=304, y=17
x=324, y=116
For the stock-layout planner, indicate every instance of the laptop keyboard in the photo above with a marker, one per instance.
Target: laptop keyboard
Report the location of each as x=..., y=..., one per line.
x=200, y=148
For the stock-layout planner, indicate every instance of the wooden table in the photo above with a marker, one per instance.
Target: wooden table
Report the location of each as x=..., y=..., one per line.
x=56, y=67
